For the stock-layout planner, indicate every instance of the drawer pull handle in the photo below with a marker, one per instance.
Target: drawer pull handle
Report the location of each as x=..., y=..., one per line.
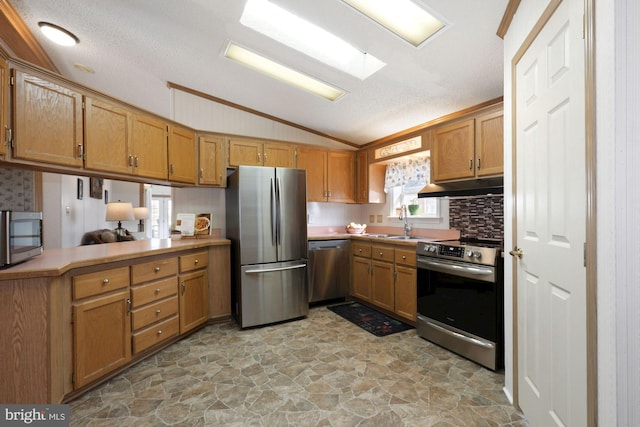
x=156, y=269
x=160, y=332
x=105, y=281
x=157, y=311
x=157, y=290
x=196, y=261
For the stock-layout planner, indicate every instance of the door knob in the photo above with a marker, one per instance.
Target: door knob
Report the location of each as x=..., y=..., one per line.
x=516, y=251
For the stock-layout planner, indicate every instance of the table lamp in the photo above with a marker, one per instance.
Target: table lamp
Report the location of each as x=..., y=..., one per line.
x=120, y=211
x=141, y=213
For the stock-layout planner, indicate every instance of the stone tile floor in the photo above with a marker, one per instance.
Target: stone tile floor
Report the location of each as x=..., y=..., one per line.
x=318, y=371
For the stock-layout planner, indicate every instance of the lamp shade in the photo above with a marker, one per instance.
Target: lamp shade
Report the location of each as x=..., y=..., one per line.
x=141, y=213
x=120, y=211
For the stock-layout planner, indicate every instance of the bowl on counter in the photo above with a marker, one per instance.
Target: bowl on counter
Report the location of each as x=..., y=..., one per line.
x=356, y=230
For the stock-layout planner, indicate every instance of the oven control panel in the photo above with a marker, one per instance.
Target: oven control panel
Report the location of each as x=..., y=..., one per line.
x=463, y=253
x=451, y=251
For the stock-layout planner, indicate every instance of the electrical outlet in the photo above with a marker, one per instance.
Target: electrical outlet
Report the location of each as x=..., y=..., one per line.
x=379, y=218
x=372, y=219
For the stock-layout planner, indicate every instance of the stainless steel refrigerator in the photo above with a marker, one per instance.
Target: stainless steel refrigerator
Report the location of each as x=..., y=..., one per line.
x=266, y=219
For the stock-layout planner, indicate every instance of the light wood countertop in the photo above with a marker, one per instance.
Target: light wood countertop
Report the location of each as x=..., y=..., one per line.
x=55, y=262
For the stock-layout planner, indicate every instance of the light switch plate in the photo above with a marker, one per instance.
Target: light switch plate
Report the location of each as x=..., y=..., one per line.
x=379, y=218
x=372, y=218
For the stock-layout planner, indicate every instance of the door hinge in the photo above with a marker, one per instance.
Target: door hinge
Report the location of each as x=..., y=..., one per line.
x=73, y=379
x=12, y=81
x=73, y=317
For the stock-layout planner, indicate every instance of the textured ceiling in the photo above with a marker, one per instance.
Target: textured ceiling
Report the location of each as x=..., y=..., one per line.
x=136, y=47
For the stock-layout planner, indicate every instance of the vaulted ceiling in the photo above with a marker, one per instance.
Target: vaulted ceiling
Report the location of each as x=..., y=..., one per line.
x=136, y=47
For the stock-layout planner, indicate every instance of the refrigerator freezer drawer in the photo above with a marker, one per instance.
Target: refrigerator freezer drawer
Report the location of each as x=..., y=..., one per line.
x=272, y=293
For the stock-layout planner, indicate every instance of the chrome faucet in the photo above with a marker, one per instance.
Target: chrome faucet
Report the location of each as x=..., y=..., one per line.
x=405, y=217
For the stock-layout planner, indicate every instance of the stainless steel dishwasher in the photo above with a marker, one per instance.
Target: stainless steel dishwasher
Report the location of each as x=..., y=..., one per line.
x=328, y=270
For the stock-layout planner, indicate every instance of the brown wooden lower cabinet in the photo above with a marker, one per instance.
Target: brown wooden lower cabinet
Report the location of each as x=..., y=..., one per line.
x=75, y=329
x=385, y=276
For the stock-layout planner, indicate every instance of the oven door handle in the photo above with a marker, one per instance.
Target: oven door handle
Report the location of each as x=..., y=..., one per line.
x=457, y=268
x=458, y=335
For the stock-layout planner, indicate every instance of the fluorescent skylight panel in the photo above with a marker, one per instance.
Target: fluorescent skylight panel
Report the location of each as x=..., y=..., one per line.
x=303, y=36
x=280, y=72
x=402, y=17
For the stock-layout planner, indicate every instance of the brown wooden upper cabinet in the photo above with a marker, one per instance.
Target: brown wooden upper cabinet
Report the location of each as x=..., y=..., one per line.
x=182, y=155
x=120, y=141
x=330, y=174
x=470, y=148
x=47, y=121
x=212, y=169
x=253, y=152
x=4, y=106
x=369, y=179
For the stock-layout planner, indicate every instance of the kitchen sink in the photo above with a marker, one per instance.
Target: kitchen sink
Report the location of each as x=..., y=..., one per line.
x=401, y=237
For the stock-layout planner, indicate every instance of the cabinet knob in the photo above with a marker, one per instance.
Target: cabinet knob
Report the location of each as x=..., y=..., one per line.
x=196, y=261
x=157, y=290
x=156, y=269
x=359, y=249
x=380, y=253
x=157, y=311
x=404, y=257
x=160, y=332
x=105, y=281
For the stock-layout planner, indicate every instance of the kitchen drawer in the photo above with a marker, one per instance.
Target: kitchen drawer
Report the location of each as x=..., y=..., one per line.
x=100, y=282
x=194, y=261
x=155, y=334
x=141, y=295
x=153, y=270
x=152, y=313
x=405, y=257
x=361, y=249
x=383, y=253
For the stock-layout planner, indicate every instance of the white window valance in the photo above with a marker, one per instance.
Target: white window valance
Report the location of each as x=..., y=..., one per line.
x=412, y=173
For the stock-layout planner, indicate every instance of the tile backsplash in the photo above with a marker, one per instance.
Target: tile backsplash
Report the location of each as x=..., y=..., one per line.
x=478, y=217
x=16, y=189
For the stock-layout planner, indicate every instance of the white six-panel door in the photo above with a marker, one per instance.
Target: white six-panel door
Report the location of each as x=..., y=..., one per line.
x=550, y=222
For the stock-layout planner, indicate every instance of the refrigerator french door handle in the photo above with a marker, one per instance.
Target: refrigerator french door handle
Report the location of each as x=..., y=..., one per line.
x=270, y=270
x=278, y=214
x=274, y=217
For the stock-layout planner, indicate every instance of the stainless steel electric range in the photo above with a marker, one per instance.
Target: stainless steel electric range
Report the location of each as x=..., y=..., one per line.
x=460, y=298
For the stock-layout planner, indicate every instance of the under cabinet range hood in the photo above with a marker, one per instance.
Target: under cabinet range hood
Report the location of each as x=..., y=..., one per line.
x=476, y=187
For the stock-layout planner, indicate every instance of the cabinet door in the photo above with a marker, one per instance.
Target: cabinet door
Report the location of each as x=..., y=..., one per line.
x=361, y=271
x=4, y=106
x=362, y=177
x=341, y=175
x=490, y=144
x=149, y=140
x=211, y=161
x=245, y=152
x=405, y=292
x=182, y=155
x=101, y=336
x=220, y=283
x=278, y=155
x=48, y=122
x=194, y=300
x=382, y=289
x=107, y=133
x=314, y=161
x=453, y=151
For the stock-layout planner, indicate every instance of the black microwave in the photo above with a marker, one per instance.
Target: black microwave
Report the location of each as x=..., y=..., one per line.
x=20, y=236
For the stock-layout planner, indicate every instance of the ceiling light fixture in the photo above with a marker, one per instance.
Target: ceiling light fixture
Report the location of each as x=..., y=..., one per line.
x=303, y=36
x=280, y=72
x=58, y=34
x=402, y=17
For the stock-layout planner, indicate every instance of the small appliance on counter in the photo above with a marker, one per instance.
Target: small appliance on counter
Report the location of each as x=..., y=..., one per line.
x=20, y=236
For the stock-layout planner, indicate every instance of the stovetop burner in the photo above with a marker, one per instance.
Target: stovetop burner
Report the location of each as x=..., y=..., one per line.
x=473, y=241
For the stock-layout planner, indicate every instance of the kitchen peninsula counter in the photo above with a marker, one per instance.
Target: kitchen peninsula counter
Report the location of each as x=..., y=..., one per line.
x=137, y=297
x=56, y=262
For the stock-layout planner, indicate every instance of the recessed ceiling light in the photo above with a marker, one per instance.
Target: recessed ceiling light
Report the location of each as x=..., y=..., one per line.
x=303, y=36
x=280, y=72
x=402, y=17
x=58, y=34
